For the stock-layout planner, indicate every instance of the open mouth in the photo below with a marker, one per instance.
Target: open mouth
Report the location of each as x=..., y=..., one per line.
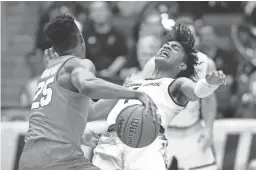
x=165, y=53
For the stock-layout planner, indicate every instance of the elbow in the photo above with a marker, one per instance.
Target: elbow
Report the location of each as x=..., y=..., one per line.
x=87, y=87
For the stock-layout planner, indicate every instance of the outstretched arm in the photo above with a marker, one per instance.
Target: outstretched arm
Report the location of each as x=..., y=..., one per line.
x=85, y=81
x=209, y=104
x=192, y=91
x=209, y=111
x=88, y=84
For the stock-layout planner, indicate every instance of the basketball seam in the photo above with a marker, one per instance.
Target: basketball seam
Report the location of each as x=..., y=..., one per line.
x=140, y=130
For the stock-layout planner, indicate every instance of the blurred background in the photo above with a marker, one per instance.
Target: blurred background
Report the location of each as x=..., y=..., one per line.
x=121, y=36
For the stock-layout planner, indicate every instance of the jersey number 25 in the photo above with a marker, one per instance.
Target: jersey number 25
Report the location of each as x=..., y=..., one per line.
x=43, y=94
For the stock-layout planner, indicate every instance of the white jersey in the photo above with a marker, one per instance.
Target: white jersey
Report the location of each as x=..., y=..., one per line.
x=191, y=114
x=157, y=89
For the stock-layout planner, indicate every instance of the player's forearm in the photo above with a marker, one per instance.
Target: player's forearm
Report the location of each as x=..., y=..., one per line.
x=194, y=91
x=209, y=111
x=96, y=88
x=100, y=109
x=203, y=89
x=100, y=89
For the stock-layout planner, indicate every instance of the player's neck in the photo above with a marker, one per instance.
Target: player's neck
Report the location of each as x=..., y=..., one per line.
x=160, y=73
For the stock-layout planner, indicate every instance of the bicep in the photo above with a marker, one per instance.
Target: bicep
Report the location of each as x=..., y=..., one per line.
x=85, y=63
x=187, y=87
x=79, y=76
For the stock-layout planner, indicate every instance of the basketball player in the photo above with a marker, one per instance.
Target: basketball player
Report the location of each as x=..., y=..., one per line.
x=176, y=59
x=59, y=110
x=190, y=138
x=186, y=128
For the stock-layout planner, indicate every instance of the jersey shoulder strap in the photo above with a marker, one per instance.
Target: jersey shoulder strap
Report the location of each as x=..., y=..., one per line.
x=62, y=64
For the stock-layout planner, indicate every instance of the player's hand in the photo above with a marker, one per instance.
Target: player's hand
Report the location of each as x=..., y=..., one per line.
x=206, y=138
x=50, y=56
x=216, y=78
x=149, y=104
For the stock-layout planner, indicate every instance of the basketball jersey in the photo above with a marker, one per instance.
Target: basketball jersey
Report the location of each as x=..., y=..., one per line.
x=57, y=114
x=191, y=113
x=157, y=90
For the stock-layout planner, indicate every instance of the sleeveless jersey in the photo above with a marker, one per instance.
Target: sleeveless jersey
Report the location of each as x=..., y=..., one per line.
x=191, y=113
x=57, y=114
x=157, y=90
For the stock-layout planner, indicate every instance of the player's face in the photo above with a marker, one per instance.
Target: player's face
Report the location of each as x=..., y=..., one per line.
x=171, y=54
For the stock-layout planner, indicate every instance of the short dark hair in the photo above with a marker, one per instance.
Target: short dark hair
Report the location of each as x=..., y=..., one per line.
x=182, y=34
x=63, y=32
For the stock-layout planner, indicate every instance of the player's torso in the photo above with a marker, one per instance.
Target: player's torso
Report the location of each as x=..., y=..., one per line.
x=57, y=114
x=157, y=90
x=188, y=116
x=191, y=113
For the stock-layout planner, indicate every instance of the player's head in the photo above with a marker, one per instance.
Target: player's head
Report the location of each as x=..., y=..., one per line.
x=65, y=36
x=177, y=55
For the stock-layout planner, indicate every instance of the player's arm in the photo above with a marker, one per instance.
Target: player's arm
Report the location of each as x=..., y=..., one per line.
x=192, y=91
x=99, y=110
x=209, y=111
x=209, y=103
x=84, y=79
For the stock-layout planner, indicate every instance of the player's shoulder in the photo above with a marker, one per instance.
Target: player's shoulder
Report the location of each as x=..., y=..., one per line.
x=76, y=62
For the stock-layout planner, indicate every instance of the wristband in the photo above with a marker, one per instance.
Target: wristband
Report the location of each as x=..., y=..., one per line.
x=204, y=89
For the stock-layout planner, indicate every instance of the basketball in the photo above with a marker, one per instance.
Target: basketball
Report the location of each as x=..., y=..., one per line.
x=136, y=129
